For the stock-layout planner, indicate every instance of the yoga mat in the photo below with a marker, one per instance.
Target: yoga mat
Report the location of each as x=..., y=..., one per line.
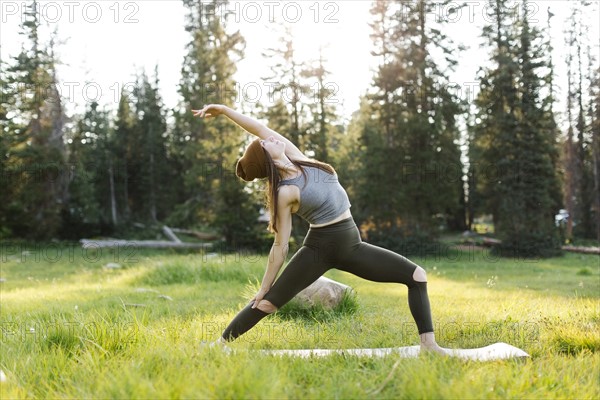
x=496, y=351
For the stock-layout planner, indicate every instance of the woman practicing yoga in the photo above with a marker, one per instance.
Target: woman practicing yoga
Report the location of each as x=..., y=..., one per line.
x=298, y=184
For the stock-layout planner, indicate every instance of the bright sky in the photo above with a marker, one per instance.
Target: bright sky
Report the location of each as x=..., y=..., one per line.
x=106, y=41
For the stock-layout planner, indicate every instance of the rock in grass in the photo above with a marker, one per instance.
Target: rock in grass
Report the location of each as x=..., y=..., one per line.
x=2, y=280
x=324, y=291
x=112, y=266
x=165, y=297
x=2, y=376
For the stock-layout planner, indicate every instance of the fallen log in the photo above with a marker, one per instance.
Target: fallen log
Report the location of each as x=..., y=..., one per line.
x=199, y=235
x=579, y=249
x=154, y=244
x=490, y=242
x=169, y=232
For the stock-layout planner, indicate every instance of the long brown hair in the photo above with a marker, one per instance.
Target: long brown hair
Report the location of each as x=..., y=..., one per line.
x=273, y=180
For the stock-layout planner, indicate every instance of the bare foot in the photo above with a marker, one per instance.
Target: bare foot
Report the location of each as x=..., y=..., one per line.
x=219, y=344
x=434, y=349
x=428, y=344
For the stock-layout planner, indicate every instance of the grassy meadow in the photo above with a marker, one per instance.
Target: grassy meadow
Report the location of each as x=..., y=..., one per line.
x=73, y=327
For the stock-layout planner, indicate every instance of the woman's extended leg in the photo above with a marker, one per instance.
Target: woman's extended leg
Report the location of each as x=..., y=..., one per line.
x=304, y=268
x=382, y=265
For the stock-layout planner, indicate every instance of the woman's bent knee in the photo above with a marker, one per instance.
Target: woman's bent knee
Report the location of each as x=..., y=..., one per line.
x=420, y=275
x=266, y=306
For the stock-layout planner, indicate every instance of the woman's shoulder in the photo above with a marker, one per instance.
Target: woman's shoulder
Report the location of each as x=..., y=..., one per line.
x=286, y=195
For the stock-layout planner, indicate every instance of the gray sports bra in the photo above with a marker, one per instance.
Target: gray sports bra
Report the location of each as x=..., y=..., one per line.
x=322, y=198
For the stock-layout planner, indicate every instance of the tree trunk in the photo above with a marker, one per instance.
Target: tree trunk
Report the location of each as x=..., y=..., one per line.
x=113, y=200
x=126, y=189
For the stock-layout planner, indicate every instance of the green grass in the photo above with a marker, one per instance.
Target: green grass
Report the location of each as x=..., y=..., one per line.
x=71, y=328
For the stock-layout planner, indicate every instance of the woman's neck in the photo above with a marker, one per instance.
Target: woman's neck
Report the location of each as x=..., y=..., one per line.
x=289, y=172
x=287, y=169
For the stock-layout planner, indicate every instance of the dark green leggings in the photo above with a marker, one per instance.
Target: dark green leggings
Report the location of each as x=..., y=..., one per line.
x=339, y=246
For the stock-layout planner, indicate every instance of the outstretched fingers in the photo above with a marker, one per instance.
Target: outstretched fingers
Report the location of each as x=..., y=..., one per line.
x=202, y=113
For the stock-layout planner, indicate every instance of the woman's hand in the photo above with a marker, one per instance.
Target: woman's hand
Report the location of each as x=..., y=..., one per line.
x=259, y=296
x=209, y=111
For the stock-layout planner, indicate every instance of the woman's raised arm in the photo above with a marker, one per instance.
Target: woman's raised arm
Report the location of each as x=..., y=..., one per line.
x=251, y=126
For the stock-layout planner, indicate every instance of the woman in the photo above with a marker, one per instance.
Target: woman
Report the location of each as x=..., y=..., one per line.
x=297, y=184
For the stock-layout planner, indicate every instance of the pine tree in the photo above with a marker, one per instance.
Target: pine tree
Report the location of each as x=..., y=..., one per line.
x=513, y=135
x=550, y=125
x=150, y=176
x=8, y=127
x=124, y=151
x=595, y=131
x=356, y=168
x=570, y=163
x=207, y=150
x=583, y=209
x=379, y=196
x=322, y=134
x=288, y=86
x=580, y=195
x=496, y=119
x=37, y=152
x=586, y=141
x=89, y=201
x=414, y=141
x=532, y=207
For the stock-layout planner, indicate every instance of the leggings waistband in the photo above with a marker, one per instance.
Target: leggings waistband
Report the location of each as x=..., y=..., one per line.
x=338, y=226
